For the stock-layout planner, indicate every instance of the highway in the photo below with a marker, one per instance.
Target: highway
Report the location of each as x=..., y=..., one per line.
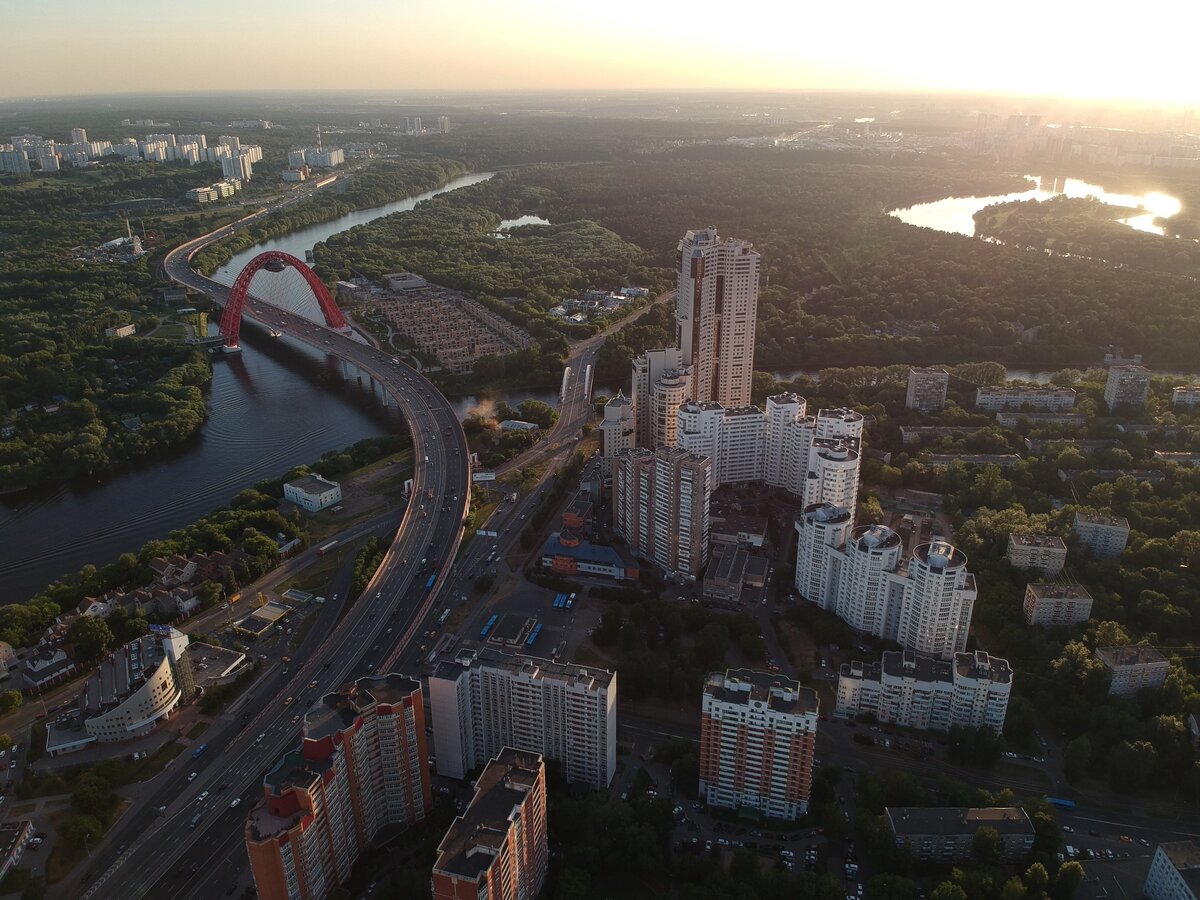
x=196, y=795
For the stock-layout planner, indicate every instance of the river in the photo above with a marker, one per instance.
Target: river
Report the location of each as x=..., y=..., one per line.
x=270, y=408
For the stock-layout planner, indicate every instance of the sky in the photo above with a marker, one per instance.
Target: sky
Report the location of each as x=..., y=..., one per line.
x=1095, y=49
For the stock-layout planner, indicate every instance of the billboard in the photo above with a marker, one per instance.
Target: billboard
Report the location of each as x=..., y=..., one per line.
x=483, y=476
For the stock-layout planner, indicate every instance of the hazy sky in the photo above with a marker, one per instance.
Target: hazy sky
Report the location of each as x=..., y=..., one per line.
x=1099, y=48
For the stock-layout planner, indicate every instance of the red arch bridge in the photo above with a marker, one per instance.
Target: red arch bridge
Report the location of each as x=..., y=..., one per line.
x=274, y=261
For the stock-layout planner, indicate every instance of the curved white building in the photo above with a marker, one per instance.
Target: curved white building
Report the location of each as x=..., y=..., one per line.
x=820, y=531
x=938, y=600
x=136, y=686
x=832, y=473
x=868, y=583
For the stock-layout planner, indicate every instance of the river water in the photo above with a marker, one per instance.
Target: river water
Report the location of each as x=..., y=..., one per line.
x=270, y=408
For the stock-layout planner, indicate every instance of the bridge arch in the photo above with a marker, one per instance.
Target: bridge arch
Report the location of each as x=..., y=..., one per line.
x=273, y=261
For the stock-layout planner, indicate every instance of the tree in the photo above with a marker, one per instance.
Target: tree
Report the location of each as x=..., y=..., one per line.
x=80, y=830
x=948, y=890
x=986, y=846
x=90, y=636
x=1076, y=757
x=10, y=701
x=1036, y=878
x=6, y=742
x=92, y=796
x=891, y=887
x=1067, y=880
x=1014, y=889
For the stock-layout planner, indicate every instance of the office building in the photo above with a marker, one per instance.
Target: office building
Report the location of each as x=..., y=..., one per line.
x=1127, y=386
x=1133, y=668
x=137, y=686
x=312, y=492
x=1186, y=396
x=914, y=690
x=362, y=765
x=661, y=507
x=484, y=700
x=1102, y=534
x=444, y=124
x=927, y=389
x=1041, y=399
x=497, y=849
x=821, y=529
x=1174, y=872
x=939, y=596
x=1044, y=552
x=758, y=733
x=1048, y=605
x=617, y=431
x=946, y=835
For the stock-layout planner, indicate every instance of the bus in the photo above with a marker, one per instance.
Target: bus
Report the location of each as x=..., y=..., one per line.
x=483, y=632
x=199, y=751
x=444, y=616
x=325, y=548
x=429, y=583
x=1061, y=803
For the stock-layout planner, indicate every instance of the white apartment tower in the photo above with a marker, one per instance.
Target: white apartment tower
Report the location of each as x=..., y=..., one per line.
x=822, y=529
x=938, y=600
x=484, y=701
x=715, y=314
x=616, y=431
x=661, y=507
x=869, y=593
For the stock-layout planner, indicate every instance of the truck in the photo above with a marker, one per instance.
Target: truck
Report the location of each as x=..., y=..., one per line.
x=199, y=751
x=325, y=548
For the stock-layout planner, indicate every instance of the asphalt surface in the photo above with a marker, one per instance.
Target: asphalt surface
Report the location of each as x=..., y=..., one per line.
x=185, y=821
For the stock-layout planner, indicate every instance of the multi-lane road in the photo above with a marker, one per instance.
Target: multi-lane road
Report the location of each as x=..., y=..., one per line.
x=175, y=826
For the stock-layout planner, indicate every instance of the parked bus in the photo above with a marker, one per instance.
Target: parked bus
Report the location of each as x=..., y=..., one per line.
x=325, y=548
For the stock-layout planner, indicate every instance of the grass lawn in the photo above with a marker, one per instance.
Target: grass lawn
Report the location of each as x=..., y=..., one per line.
x=316, y=578
x=302, y=632
x=196, y=730
x=62, y=858
x=172, y=331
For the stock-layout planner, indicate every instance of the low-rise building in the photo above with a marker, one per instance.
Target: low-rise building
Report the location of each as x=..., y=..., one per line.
x=1180, y=458
x=566, y=553
x=497, y=849
x=137, y=686
x=947, y=834
x=1063, y=419
x=1133, y=668
x=731, y=569
x=312, y=492
x=915, y=434
x=1049, y=604
x=1174, y=872
x=1102, y=534
x=1003, y=460
x=121, y=331
x=913, y=690
x=1186, y=396
x=1046, y=552
x=1040, y=399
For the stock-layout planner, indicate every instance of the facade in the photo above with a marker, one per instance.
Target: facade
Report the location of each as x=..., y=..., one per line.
x=1045, y=552
x=946, y=834
x=1186, y=396
x=1133, y=668
x=867, y=595
x=617, y=431
x=716, y=313
x=821, y=529
x=917, y=691
x=362, y=765
x=1102, y=535
x=1126, y=386
x=1174, y=872
x=927, y=389
x=312, y=492
x=565, y=553
x=661, y=507
x=1064, y=419
x=483, y=701
x=757, y=737
x=1041, y=399
x=648, y=369
x=137, y=686
x=1047, y=605
x=497, y=849
x=939, y=597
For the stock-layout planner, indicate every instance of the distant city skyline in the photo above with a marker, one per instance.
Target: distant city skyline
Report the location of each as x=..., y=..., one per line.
x=1069, y=48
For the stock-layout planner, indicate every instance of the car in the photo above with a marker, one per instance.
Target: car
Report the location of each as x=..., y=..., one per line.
x=235, y=802
x=257, y=740
x=295, y=719
x=202, y=797
x=312, y=684
x=1143, y=842
x=1126, y=839
x=287, y=701
x=192, y=777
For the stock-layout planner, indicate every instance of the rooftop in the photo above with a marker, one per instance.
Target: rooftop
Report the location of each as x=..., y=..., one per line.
x=1083, y=517
x=826, y=512
x=337, y=711
x=1058, y=590
x=742, y=686
x=950, y=820
x=474, y=839
x=1050, y=541
x=584, y=552
x=873, y=537
x=1185, y=857
x=1131, y=655
x=121, y=673
x=940, y=555
x=312, y=484
x=470, y=656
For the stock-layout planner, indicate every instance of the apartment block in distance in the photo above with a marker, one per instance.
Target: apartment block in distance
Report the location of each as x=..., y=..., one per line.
x=927, y=389
x=757, y=736
x=1041, y=399
x=1126, y=386
x=1046, y=552
x=1174, y=872
x=661, y=507
x=1133, y=668
x=497, y=849
x=1049, y=604
x=916, y=691
x=947, y=834
x=362, y=765
x=1186, y=396
x=484, y=700
x=1102, y=534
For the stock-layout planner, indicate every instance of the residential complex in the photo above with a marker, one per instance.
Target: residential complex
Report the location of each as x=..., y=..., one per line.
x=1103, y=535
x=757, y=737
x=1042, y=399
x=1047, y=605
x=927, y=389
x=192, y=149
x=913, y=690
x=924, y=603
x=1174, y=872
x=947, y=834
x=661, y=507
x=1133, y=668
x=484, y=700
x=497, y=849
x=362, y=765
x=1186, y=396
x=1045, y=552
x=1126, y=386
x=312, y=492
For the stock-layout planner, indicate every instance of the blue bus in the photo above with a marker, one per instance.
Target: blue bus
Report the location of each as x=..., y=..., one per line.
x=483, y=632
x=533, y=636
x=1061, y=803
x=429, y=583
x=199, y=751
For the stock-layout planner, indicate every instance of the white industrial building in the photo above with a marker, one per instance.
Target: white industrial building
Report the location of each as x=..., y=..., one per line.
x=312, y=492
